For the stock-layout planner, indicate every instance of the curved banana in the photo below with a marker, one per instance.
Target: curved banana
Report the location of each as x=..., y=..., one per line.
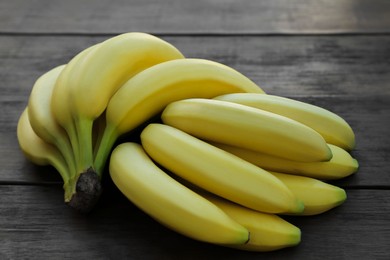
x=146, y=94
x=217, y=171
x=168, y=201
x=41, y=153
x=60, y=102
x=246, y=127
x=317, y=196
x=332, y=127
x=341, y=165
x=268, y=232
x=104, y=70
x=42, y=120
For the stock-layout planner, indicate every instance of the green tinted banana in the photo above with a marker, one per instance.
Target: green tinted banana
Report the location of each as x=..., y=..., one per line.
x=41, y=153
x=42, y=120
x=331, y=126
x=268, y=232
x=100, y=73
x=317, y=196
x=341, y=165
x=246, y=127
x=147, y=93
x=217, y=171
x=93, y=77
x=168, y=201
x=60, y=102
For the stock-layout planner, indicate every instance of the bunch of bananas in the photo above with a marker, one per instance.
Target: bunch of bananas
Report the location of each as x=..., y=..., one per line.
x=217, y=160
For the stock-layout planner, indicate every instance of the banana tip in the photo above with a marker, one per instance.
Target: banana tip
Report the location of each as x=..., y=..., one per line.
x=300, y=207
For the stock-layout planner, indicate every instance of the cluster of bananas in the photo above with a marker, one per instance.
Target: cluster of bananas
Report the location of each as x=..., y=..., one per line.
x=223, y=161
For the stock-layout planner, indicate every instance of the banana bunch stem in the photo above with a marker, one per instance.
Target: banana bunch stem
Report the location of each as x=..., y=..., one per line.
x=86, y=190
x=83, y=189
x=84, y=137
x=74, y=142
x=104, y=148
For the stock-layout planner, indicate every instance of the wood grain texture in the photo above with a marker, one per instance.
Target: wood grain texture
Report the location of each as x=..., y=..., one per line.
x=347, y=75
x=117, y=229
x=203, y=16
x=303, y=65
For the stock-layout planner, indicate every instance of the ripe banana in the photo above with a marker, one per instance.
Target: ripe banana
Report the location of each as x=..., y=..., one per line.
x=217, y=171
x=168, y=201
x=41, y=153
x=60, y=102
x=268, y=232
x=317, y=196
x=341, y=165
x=42, y=120
x=146, y=94
x=331, y=126
x=246, y=127
x=101, y=72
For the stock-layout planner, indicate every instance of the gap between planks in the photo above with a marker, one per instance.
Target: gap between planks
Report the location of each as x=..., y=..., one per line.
x=201, y=34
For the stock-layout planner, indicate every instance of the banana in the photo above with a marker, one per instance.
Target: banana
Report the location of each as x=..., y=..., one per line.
x=331, y=126
x=341, y=165
x=103, y=71
x=60, y=102
x=317, y=196
x=42, y=120
x=168, y=201
x=85, y=186
x=268, y=232
x=146, y=94
x=41, y=153
x=217, y=171
x=246, y=127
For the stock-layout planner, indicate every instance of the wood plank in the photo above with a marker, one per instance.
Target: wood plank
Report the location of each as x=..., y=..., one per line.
x=35, y=223
x=204, y=16
x=326, y=65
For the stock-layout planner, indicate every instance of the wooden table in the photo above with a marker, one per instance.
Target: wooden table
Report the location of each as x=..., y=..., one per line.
x=335, y=54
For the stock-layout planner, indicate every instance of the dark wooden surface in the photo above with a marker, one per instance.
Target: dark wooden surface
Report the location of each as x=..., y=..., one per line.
x=335, y=54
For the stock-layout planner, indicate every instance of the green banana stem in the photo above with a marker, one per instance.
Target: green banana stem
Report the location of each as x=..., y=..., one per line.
x=58, y=162
x=70, y=189
x=60, y=166
x=66, y=150
x=84, y=136
x=104, y=148
x=70, y=129
x=84, y=189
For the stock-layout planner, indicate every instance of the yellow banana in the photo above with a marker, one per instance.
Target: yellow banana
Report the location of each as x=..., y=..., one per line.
x=317, y=196
x=168, y=201
x=341, y=165
x=217, y=171
x=104, y=70
x=332, y=127
x=60, y=102
x=146, y=94
x=41, y=153
x=268, y=232
x=42, y=120
x=246, y=127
